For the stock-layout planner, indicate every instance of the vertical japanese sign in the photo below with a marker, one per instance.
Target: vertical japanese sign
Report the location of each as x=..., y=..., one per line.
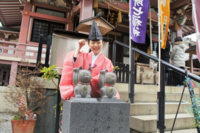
x=165, y=16
x=139, y=14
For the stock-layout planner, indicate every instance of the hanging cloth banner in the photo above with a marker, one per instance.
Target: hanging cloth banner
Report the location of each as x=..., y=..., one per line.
x=164, y=21
x=139, y=14
x=196, y=22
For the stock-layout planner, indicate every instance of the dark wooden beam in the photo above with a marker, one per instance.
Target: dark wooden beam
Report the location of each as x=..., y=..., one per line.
x=10, y=6
x=14, y=24
x=10, y=15
x=122, y=29
x=189, y=23
x=13, y=11
x=9, y=2
x=178, y=3
x=154, y=3
x=17, y=13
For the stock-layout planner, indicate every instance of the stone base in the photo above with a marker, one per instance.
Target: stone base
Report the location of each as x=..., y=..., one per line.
x=91, y=115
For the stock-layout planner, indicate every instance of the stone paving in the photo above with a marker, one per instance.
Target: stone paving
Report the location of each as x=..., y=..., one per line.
x=5, y=123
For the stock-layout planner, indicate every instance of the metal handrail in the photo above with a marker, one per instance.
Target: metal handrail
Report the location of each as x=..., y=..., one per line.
x=161, y=94
x=179, y=70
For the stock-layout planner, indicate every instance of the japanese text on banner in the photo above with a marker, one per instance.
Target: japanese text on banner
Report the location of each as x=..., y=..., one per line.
x=139, y=14
x=165, y=16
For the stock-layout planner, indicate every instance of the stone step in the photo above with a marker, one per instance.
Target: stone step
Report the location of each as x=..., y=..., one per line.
x=174, y=131
x=151, y=108
x=123, y=87
x=152, y=97
x=184, y=131
x=148, y=123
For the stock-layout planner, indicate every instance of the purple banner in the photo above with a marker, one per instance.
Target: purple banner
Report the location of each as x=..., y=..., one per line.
x=139, y=14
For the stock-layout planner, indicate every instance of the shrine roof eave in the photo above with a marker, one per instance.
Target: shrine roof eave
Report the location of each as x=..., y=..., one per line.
x=9, y=30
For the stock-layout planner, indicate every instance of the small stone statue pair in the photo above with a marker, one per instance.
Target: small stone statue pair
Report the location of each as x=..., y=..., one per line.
x=82, y=78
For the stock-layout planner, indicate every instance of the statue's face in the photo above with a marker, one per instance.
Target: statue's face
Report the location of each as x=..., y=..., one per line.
x=84, y=76
x=110, y=78
x=96, y=46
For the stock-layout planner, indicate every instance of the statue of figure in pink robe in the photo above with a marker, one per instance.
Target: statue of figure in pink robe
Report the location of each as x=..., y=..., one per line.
x=94, y=60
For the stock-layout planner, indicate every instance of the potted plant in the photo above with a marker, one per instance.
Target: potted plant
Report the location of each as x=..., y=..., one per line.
x=27, y=97
x=50, y=74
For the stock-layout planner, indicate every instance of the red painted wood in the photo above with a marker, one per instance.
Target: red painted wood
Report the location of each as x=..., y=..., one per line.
x=51, y=7
x=24, y=26
x=70, y=27
x=86, y=9
x=30, y=33
x=33, y=44
x=5, y=50
x=76, y=9
x=13, y=73
x=47, y=17
x=5, y=62
x=19, y=49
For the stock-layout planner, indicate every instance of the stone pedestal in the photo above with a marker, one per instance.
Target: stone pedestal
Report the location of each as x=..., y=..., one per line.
x=91, y=115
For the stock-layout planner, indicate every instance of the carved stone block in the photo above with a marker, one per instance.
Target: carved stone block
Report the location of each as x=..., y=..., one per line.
x=91, y=115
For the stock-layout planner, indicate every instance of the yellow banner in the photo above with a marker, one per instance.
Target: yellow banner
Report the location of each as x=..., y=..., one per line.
x=164, y=6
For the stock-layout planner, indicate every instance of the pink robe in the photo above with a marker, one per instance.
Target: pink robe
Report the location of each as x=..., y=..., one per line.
x=84, y=60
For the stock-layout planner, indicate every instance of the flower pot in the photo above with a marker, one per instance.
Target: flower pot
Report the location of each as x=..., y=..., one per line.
x=23, y=126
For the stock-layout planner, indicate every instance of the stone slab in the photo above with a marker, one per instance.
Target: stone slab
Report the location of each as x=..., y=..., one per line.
x=148, y=123
x=91, y=115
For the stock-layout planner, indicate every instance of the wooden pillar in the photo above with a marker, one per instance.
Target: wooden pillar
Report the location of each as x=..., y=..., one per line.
x=5, y=50
x=24, y=26
x=191, y=63
x=13, y=73
x=70, y=26
x=179, y=32
x=86, y=9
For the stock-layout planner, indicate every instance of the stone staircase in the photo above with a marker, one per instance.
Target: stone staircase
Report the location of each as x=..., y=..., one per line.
x=143, y=113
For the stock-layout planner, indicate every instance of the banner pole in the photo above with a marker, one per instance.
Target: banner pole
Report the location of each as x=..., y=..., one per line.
x=131, y=61
x=150, y=26
x=130, y=52
x=159, y=40
x=159, y=50
x=129, y=35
